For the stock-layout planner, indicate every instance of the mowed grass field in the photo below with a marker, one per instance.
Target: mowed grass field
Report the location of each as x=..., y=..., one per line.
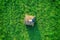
x=12, y=13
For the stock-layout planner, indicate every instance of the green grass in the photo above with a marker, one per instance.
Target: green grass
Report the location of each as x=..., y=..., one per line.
x=12, y=13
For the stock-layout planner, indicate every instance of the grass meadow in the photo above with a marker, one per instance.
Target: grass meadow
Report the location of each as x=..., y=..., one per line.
x=47, y=13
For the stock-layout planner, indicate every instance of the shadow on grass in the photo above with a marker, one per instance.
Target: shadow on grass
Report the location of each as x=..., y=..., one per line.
x=34, y=33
